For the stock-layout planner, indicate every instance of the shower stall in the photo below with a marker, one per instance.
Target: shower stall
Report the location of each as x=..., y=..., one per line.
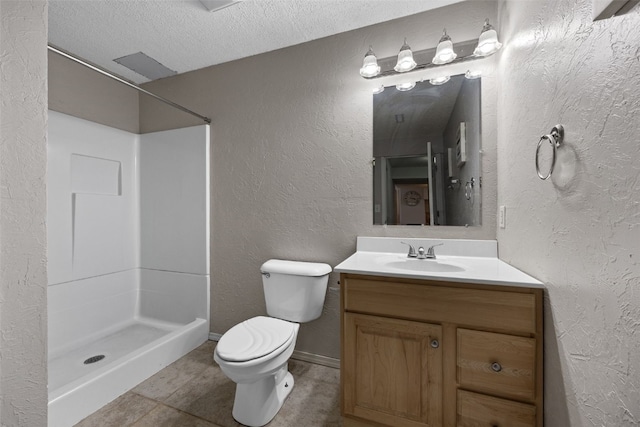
x=128, y=258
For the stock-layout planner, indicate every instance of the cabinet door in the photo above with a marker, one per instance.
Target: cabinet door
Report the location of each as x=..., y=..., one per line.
x=392, y=371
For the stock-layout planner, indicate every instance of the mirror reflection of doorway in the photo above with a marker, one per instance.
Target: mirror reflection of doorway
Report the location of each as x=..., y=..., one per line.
x=395, y=176
x=411, y=202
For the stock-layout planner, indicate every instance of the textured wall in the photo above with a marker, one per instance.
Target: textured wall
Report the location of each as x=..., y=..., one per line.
x=580, y=231
x=291, y=151
x=23, y=164
x=84, y=93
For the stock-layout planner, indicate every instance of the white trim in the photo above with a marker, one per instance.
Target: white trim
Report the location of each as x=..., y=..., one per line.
x=299, y=355
x=317, y=359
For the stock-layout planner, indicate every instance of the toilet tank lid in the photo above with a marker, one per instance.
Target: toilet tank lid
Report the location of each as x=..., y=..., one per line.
x=296, y=268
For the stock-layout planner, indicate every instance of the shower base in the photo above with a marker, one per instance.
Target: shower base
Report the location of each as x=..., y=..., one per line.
x=131, y=354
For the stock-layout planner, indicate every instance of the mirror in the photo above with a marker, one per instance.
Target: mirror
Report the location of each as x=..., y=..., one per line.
x=426, y=150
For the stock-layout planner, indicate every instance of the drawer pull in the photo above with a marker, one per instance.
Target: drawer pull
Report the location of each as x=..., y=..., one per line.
x=496, y=367
x=435, y=343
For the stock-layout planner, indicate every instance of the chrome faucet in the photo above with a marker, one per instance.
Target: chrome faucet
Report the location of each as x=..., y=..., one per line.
x=412, y=250
x=430, y=252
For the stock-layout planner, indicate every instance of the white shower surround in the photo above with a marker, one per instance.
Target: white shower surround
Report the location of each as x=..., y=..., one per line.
x=129, y=265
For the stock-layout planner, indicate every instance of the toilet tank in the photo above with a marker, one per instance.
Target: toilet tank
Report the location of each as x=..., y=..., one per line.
x=294, y=290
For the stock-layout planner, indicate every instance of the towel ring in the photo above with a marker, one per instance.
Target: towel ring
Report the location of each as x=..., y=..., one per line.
x=555, y=138
x=468, y=188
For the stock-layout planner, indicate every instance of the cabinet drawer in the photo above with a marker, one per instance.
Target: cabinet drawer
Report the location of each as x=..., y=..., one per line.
x=499, y=364
x=477, y=410
x=483, y=308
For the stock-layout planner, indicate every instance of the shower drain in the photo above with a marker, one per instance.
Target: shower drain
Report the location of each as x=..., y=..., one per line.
x=94, y=359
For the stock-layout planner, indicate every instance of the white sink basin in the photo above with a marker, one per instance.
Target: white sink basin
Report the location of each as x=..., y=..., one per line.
x=413, y=264
x=458, y=260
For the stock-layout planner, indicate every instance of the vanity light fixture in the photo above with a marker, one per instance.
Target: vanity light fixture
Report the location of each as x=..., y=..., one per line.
x=405, y=59
x=444, y=51
x=488, y=43
x=403, y=87
x=370, y=67
x=378, y=89
x=437, y=81
x=475, y=74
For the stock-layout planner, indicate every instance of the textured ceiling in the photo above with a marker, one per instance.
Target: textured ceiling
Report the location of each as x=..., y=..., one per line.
x=426, y=110
x=184, y=36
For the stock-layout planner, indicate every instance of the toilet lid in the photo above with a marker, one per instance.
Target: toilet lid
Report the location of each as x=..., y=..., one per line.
x=254, y=338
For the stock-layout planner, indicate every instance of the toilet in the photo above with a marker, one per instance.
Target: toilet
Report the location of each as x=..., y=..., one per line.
x=254, y=353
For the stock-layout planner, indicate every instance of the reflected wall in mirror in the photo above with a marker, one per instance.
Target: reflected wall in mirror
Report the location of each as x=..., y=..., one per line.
x=426, y=149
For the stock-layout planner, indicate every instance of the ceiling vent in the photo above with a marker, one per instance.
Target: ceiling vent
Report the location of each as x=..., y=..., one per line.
x=213, y=5
x=145, y=66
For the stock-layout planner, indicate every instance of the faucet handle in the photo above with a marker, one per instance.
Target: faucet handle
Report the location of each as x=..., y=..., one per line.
x=430, y=252
x=412, y=250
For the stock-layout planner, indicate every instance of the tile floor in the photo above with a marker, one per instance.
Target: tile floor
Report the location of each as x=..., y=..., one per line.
x=193, y=392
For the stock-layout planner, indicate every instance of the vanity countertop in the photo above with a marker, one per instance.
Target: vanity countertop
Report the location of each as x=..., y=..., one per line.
x=388, y=257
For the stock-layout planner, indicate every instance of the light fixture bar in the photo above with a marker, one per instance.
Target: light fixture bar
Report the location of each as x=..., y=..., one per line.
x=424, y=57
x=104, y=72
x=214, y=5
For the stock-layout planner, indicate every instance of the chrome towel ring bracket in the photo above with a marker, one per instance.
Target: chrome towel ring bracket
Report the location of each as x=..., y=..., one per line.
x=468, y=188
x=555, y=138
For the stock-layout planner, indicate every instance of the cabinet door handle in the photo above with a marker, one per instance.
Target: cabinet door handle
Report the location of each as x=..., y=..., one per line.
x=496, y=367
x=435, y=343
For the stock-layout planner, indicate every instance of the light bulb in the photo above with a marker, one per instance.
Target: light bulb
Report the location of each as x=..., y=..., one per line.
x=476, y=74
x=405, y=59
x=370, y=67
x=444, y=51
x=488, y=43
x=403, y=87
x=379, y=89
x=436, y=81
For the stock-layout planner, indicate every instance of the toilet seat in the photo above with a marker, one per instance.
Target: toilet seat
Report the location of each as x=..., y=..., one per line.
x=254, y=338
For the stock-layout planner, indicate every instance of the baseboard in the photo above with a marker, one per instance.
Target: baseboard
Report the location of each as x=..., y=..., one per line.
x=214, y=337
x=316, y=358
x=300, y=355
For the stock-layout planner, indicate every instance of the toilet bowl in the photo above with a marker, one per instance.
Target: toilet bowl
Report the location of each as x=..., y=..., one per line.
x=255, y=353
x=262, y=378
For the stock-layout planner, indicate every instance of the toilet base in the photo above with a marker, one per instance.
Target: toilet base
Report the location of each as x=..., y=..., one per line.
x=257, y=403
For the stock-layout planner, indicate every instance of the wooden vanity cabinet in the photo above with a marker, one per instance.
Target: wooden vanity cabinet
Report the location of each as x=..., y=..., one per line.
x=430, y=353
